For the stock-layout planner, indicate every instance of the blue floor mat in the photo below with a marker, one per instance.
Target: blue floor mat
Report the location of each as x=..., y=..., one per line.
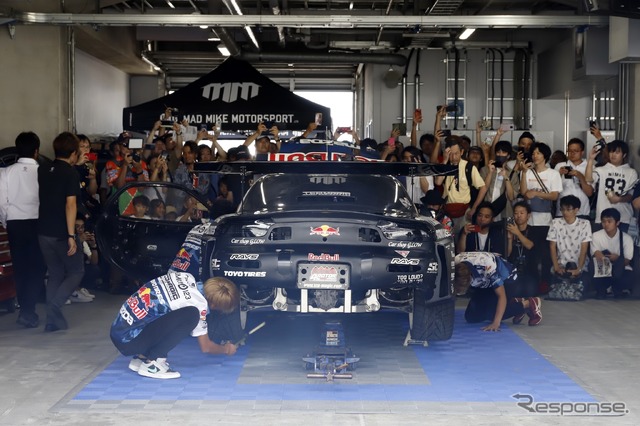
x=473, y=366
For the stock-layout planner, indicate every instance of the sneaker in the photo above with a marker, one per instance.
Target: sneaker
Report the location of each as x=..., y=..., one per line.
x=157, y=369
x=79, y=297
x=535, y=316
x=135, y=363
x=86, y=293
x=517, y=319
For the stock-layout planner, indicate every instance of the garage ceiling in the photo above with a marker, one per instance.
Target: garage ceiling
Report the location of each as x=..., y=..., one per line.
x=316, y=43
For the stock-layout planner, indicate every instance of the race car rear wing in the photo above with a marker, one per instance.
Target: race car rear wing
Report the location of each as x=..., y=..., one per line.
x=327, y=167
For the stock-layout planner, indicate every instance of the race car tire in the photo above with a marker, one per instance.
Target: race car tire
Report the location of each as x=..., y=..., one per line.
x=225, y=327
x=432, y=321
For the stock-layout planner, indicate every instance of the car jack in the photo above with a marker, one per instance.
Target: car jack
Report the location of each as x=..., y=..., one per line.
x=331, y=359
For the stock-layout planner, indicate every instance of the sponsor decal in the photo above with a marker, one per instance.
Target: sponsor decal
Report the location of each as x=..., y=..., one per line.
x=215, y=264
x=432, y=268
x=245, y=274
x=230, y=92
x=325, y=274
x=203, y=315
x=327, y=193
x=173, y=291
x=403, y=253
x=404, y=261
x=181, y=265
x=404, y=244
x=323, y=257
x=327, y=180
x=410, y=278
x=183, y=254
x=244, y=256
x=158, y=292
x=324, y=230
x=152, y=247
x=247, y=241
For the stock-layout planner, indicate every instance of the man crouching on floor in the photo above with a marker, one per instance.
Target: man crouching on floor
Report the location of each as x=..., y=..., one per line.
x=487, y=277
x=163, y=312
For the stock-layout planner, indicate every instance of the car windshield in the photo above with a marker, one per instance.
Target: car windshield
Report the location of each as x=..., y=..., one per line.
x=364, y=193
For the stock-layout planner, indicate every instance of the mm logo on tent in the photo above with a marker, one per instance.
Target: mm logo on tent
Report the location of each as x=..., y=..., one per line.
x=230, y=92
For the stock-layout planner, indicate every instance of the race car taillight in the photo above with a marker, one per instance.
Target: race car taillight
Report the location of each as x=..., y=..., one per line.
x=256, y=229
x=392, y=231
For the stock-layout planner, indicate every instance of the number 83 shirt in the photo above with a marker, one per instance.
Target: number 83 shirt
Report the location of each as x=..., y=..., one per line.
x=619, y=179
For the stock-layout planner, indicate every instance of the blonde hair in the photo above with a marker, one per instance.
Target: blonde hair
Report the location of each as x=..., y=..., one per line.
x=462, y=279
x=222, y=294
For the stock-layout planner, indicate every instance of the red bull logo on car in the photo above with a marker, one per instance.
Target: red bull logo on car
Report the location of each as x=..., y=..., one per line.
x=325, y=230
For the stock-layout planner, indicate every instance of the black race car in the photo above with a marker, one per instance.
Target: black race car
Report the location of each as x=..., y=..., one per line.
x=323, y=237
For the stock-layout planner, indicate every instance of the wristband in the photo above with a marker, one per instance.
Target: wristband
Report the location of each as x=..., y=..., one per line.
x=71, y=235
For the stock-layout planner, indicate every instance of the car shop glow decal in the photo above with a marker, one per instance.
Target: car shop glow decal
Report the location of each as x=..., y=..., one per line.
x=325, y=274
x=323, y=257
x=247, y=241
x=404, y=244
x=325, y=231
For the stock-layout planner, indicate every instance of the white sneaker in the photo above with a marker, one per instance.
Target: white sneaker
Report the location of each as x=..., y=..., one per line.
x=78, y=297
x=135, y=363
x=157, y=369
x=86, y=293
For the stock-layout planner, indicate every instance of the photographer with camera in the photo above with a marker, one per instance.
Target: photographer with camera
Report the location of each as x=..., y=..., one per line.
x=574, y=181
x=523, y=245
x=127, y=167
x=500, y=178
x=482, y=234
x=262, y=138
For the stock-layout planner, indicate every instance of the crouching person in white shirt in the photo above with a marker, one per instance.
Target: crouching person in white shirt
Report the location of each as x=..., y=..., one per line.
x=612, y=242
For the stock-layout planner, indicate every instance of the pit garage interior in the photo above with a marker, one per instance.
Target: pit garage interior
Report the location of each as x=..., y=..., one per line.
x=584, y=353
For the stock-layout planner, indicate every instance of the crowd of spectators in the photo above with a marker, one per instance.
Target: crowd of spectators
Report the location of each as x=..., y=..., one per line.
x=518, y=202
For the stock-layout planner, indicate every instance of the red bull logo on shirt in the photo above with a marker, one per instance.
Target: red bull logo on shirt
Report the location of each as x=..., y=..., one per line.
x=325, y=231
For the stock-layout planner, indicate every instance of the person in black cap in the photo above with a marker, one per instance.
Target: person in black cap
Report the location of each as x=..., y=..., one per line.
x=432, y=204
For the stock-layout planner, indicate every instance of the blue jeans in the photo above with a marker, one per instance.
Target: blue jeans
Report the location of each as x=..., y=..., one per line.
x=65, y=274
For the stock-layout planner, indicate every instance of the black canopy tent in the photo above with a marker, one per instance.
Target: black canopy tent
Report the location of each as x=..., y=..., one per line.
x=237, y=96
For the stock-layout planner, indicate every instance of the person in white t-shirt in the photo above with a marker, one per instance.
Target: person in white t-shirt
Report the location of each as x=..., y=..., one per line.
x=616, y=181
x=531, y=186
x=574, y=182
x=569, y=238
x=606, y=243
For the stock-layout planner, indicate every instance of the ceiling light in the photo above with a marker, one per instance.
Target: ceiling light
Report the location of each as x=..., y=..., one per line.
x=213, y=38
x=466, y=33
x=170, y=4
x=148, y=61
x=223, y=50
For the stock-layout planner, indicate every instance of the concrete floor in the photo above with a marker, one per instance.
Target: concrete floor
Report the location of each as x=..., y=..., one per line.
x=594, y=342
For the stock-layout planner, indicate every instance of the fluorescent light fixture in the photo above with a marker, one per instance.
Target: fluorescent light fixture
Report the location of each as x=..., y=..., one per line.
x=252, y=36
x=213, y=38
x=148, y=61
x=466, y=33
x=223, y=50
x=236, y=7
x=350, y=5
x=170, y=4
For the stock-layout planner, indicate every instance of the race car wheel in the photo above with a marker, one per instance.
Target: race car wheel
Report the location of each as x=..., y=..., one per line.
x=225, y=327
x=432, y=321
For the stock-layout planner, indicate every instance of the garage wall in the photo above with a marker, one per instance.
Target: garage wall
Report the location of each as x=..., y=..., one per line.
x=33, y=84
x=383, y=104
x=101, y=92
